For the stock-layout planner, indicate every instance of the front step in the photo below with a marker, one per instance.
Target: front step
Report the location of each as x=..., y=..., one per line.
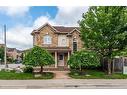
x=57, y=69
x=53, y=69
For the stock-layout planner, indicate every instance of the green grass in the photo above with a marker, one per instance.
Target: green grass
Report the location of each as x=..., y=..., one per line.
x=94, y=74
x=23, y=76
x=46, y=75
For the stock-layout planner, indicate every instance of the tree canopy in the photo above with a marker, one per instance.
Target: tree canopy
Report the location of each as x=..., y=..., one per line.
x=104, y=30
x=9, y=59
x=38, y=56
x=2, y=54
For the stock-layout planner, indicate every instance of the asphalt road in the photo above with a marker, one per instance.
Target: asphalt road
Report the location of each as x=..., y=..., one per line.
x=64, y=83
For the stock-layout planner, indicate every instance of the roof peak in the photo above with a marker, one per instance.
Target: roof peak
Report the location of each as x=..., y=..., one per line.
x=58, y=28
x=62, y=26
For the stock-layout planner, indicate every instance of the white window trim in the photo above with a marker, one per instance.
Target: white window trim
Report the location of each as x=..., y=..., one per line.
x=46, y=40
x=61, y=43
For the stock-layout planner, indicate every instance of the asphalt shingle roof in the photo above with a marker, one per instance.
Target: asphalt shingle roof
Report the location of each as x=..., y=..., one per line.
x=65, y=29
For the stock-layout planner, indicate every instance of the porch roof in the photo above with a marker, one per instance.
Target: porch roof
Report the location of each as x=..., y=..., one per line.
x=58, y=49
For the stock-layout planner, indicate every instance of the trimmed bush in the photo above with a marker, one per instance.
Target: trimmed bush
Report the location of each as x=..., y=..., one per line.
x=84, y=59
x=28, y=69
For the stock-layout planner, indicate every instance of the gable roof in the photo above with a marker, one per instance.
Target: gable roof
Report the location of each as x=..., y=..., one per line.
x=63, y=29
x=46, y=24
x=11, y=49
x=58, y=29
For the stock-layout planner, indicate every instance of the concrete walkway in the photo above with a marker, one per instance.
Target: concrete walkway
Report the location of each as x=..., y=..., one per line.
x=64, y=83
x=61, y=74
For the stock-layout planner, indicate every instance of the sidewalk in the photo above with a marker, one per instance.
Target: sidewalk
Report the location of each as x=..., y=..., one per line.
x=64, y=84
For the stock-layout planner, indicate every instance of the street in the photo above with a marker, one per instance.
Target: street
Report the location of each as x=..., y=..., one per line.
x=62, y=81
x=64, y=84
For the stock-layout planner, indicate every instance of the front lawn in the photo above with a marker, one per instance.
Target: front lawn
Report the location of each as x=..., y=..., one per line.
x=94, y=74
x=23, y=76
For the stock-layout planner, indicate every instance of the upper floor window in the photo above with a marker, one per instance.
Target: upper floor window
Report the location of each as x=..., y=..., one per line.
x=63, y=41
x=47, y=39
x=74, y=44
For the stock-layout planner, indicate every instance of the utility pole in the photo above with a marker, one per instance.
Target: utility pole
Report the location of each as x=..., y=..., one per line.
x=5, y=47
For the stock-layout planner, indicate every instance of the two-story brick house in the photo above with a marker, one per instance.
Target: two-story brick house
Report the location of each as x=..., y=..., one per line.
x=13, y=53
x=60, y=41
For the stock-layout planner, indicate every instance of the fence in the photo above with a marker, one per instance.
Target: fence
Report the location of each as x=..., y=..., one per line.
x=119, y=64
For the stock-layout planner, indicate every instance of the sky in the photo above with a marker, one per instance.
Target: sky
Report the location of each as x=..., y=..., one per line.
x=20, y=21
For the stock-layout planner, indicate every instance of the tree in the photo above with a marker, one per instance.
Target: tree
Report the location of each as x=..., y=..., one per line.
x=104, y=30
x=10, y=59
x=2, y=54
x=38, y=56
x=85, y=59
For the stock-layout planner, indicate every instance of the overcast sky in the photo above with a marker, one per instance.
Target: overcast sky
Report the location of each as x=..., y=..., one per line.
x=21, y=21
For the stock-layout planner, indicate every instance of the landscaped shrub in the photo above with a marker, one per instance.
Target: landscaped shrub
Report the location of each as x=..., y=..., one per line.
x=84, y=59
x=2, y=70
x=28, y=69
x=13, y=71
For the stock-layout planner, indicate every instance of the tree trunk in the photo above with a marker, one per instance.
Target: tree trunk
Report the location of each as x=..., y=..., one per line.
x=109, y=60
x=41, y=71
x=109, y=66
x=80, y=68
x=102, y=63
x=112, y=66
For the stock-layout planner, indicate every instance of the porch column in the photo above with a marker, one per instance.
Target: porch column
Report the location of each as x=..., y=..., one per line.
x=55, y=59
x=68, y=58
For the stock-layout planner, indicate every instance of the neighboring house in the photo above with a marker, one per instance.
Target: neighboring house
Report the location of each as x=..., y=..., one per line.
x=1, y=45
x=14, y=53
x=60, y=41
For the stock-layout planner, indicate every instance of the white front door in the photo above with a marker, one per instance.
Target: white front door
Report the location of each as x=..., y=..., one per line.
x=61, y=59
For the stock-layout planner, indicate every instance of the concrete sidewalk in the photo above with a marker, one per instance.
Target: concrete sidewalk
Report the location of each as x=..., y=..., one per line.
x=64, y=83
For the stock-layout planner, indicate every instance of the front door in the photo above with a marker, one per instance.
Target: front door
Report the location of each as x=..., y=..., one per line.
x=61, y=59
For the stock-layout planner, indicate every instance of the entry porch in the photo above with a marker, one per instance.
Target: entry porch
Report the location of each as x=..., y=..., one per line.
x=61, y=56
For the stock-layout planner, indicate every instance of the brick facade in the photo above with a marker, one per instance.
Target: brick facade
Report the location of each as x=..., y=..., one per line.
x=55, y=32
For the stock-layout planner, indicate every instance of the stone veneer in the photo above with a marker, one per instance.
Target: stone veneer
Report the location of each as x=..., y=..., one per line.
x=48, y=30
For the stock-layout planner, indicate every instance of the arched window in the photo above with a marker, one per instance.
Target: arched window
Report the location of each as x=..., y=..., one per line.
x=47, y=39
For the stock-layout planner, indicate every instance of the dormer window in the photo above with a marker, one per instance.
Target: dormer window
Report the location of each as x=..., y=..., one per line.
x=47, y=39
